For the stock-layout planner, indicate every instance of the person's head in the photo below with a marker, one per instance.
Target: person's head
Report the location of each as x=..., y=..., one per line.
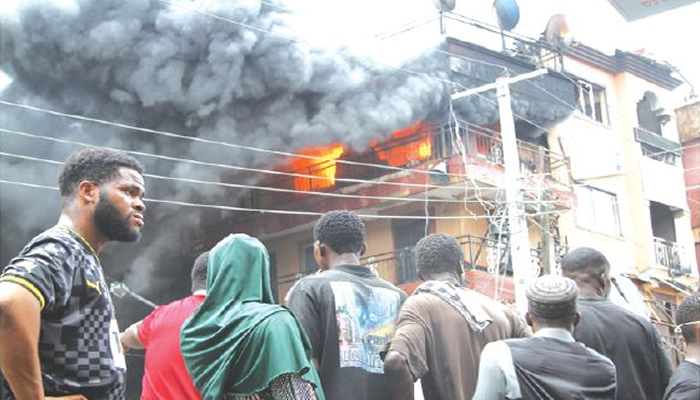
x=199, y=272
x=338, y=233
x=438, y=253
x=688, y=319
x=551, y=303
x=239, y=271
x=105, y=186
x=589, y=269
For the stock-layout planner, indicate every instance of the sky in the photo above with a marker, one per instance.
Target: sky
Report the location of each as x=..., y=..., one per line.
x=669, y=36
x=356, y=24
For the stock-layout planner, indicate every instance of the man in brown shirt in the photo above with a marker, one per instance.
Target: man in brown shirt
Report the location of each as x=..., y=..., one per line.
x=443, y=327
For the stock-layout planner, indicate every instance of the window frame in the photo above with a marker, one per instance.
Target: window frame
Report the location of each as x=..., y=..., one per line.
x=593, y=220
x=592, y=92
x=303, y=246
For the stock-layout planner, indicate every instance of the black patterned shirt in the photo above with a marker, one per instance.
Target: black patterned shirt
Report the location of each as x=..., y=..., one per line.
x=79, y=346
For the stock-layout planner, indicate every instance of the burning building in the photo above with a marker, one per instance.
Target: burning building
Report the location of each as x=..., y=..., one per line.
x=384, y=142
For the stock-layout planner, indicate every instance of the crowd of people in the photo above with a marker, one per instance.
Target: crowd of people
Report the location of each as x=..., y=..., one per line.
x=345, y=332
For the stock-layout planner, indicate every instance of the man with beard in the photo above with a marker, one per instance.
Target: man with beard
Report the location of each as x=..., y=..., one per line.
x=58, y=333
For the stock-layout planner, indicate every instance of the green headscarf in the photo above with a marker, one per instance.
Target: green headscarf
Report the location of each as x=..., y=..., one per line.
x=239, y=340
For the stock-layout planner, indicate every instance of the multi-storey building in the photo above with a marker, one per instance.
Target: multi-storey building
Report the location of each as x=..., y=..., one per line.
x=599, y=161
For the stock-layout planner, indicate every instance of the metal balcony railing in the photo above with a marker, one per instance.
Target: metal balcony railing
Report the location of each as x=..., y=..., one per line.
x=399, y=266
x=670, y=255
x=441, y=142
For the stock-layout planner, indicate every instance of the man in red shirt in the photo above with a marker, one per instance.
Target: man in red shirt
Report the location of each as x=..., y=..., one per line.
x=165, y=375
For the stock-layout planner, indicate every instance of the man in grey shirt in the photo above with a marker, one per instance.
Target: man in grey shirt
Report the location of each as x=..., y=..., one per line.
x=550, y=365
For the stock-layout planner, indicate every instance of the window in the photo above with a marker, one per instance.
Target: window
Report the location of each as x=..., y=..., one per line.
x=592, y=101
x=406, y=233
x=598, y=210
x=308, y=262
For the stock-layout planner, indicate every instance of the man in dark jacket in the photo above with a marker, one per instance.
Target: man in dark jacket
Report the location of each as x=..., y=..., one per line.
x=630, y=341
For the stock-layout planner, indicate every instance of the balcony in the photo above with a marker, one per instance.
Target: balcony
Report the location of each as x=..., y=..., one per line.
x=670, y=255
x=656, y=147
x=423, y=145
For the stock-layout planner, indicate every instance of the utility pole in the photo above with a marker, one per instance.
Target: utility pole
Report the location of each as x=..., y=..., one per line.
x=517, y=226
x=547, y=251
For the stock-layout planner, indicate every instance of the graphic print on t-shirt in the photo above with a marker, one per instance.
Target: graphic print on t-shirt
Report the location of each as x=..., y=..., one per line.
x=366, y=318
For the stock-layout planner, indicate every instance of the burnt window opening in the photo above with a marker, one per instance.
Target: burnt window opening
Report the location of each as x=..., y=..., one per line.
x=662, y=221
x=592, y=101
x=650, y=114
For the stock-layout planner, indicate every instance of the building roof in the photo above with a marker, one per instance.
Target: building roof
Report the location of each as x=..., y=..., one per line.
x=623, y=61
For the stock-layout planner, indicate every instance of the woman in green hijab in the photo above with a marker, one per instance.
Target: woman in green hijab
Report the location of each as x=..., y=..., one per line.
x=239, y=344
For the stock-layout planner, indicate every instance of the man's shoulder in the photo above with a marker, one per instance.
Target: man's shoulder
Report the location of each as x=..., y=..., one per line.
x=55, y=241
x=191, y=301
x=608, y=310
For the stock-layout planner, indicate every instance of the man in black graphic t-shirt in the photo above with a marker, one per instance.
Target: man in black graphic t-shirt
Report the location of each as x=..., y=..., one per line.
x=348, y=311
x=54, y=292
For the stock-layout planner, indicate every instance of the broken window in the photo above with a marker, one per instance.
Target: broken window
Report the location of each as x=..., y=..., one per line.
x=598, y=210
x=592, y=101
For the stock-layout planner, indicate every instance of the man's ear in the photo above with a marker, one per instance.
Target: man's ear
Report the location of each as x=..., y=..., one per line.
x=363, y=249
x=319, y=249
x=88, y=192
x=528, y=319
x=577, y=318
x=605, y=282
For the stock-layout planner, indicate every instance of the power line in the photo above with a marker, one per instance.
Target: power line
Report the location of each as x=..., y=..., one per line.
x=169, y=134
x=230, y=167
x=271, y=211
x=214, y=142
x=253, y=187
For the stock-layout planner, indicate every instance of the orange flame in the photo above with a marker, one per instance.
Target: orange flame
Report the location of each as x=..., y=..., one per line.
x=324, y=168
x=416, y=146
x=403, y=147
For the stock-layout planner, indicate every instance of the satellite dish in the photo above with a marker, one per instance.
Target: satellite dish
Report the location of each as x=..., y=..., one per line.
x=557, y=31
x=508, y=13
x=445, y=5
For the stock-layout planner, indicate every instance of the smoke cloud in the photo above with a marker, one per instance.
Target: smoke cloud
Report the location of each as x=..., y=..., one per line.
x=157, y=65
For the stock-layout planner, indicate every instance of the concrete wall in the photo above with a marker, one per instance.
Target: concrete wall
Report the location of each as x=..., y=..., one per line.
x=608, y=157
x=688, y=120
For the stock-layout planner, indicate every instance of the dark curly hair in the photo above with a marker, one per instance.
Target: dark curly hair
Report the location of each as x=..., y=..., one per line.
x=438, y=253
x=689, y=311
x=342, y=231
x=199, y=272
x=95, y=164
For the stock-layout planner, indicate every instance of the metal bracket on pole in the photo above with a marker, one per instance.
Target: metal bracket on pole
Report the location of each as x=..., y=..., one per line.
x=494, y=85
